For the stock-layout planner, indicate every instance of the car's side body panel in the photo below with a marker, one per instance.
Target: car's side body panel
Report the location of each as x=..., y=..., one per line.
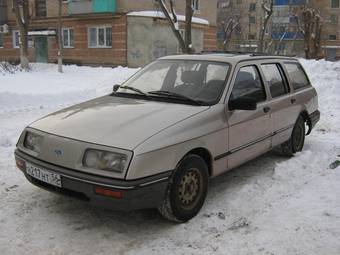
x=249, y=131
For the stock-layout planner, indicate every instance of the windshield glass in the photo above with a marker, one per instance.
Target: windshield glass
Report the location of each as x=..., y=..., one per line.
x=197, y=80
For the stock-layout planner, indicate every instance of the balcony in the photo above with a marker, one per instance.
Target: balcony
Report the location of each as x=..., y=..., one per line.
x=3, y=12
x=91, y=6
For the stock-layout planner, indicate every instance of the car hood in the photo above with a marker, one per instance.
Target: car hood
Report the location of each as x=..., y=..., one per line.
x=115, y=121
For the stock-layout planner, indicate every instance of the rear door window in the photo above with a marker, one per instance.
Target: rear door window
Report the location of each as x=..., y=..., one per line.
x=274, y=77
x=248, y=84
x=297, y=75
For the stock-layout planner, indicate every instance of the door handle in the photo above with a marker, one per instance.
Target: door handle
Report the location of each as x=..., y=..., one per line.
x=293, y=100
x=266, y=109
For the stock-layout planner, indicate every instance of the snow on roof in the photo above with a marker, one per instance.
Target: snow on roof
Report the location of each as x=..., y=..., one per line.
x=44, y=32
x=158, y=14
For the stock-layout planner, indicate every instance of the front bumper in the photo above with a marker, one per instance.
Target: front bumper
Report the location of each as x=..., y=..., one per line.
x=144, y=193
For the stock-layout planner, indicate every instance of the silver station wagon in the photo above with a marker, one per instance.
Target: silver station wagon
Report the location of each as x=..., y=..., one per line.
x=158, y=138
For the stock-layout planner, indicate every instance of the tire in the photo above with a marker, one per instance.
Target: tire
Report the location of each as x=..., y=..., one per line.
x=297, y=140
x=186, y=191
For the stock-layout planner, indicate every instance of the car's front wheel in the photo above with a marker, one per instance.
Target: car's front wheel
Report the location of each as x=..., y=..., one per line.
x=187, y=190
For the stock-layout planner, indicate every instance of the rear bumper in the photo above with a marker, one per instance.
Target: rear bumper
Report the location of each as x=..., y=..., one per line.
x=144, y=193
x=312, y=120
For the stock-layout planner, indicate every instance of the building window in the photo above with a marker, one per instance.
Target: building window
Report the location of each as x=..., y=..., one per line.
x=16, y=39
x=252, y=19
x=68, y=38
x=238, y=1
x=252, y=7
x=334, y=19
x=1, y=40
x=40, y=8
x=332, y=37
x=100, y=37
x=335, y=3
x=196, y=5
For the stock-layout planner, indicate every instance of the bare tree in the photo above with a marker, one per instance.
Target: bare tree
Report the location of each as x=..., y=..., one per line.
x=311, y=29
x=185, y=42
x=20, y=8
x=60, y=38
x=268, y=9
x=229, y=27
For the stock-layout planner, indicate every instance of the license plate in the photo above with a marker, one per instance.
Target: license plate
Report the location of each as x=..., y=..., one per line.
x=43, y=175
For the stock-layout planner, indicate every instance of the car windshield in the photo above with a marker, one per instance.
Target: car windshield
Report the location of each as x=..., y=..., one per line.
x=200, y=81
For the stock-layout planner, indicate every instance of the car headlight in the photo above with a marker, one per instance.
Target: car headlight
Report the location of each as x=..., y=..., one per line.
x=33, y=142
x=104, y=160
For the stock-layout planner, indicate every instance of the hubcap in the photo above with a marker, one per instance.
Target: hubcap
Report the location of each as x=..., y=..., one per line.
x=190, y=188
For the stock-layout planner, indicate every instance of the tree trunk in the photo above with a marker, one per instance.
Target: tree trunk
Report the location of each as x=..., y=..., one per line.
x=268, y=13
x=173, y=23
x=22, y=19
x=184, y=43
x=24, y=62
x=189, y=12
x=317, y=39
x=60, y=39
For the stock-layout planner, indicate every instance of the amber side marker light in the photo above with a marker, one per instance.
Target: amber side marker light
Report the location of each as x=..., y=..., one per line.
x=108, y=193
x=20, y=164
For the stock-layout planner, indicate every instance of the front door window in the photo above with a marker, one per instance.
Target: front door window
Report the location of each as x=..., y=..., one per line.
x=248, y=84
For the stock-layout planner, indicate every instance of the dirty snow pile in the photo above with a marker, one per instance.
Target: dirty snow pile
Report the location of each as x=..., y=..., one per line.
x=272, y=205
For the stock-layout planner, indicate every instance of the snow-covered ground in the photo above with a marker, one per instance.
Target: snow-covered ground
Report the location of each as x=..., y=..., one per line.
x=272, y=205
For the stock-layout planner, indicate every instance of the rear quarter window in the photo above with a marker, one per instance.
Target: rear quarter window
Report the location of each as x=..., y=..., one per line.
x=297, y=75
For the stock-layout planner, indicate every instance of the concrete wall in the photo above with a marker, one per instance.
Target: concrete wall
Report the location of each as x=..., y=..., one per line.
x=149, y=39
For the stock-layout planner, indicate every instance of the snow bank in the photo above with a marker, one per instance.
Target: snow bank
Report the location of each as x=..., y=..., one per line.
x=43, y=86
x=325, y=77
x=272, y=205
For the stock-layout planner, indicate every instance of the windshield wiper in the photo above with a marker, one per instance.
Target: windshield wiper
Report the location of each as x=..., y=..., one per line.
x=130, y=88
x=175, y=96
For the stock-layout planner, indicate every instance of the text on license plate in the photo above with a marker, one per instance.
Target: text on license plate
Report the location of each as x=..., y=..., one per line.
x=43, y=175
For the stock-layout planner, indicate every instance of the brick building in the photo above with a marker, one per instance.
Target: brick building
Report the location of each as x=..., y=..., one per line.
x=104, y=32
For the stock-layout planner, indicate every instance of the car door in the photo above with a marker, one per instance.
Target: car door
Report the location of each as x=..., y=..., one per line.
x=283, y=106
x=249, y=131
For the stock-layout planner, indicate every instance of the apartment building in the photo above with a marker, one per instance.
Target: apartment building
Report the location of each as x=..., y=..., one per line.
x=104, y=32
x=283, y=33
x=248, y=17
x=287, y=35
x=330, y=12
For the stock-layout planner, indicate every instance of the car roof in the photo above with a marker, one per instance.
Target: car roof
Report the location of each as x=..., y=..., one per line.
x=232, y=58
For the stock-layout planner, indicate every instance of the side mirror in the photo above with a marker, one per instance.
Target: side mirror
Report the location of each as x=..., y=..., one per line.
x=116, y=87
x=244, y=103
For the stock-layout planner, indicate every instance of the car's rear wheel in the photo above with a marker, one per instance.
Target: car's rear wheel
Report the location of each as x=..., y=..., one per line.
x=297, y=140
x=187, y=190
